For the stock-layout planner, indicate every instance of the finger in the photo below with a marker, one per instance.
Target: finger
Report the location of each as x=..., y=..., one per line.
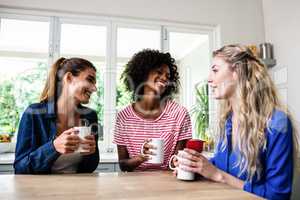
x=73, y=137
x=145, y=157
x=149, y=146
x=69, y=131
x=193, y=152
x=89, y=137
x=183, y=161
x=175, y=172
x=188, y=169
x=71, y=146
x=71, y=142
x=195, y=156
x=147, y=152
x=147, y=140
x=189, y=163
x=88, y=147
x=176, y=163
x=88, y=142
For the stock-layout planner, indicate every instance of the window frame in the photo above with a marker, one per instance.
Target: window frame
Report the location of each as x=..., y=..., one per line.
x=112, y=23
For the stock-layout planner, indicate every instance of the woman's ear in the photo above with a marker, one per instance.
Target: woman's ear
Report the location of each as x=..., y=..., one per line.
x=68, y=77
x=235, y=75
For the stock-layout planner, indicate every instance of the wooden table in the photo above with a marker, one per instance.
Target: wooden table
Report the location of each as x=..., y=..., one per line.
x=113, y=186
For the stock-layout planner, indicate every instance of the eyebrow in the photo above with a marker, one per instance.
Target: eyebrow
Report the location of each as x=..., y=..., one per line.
x=92, y=77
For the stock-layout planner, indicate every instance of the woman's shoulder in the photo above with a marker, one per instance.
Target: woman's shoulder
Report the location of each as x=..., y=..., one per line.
x=87, y=111
x=279, y=122
x=125, y=112
x=175, y=108
x=36, y=108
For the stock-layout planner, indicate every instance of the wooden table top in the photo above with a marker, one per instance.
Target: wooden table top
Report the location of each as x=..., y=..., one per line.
x=114, y=186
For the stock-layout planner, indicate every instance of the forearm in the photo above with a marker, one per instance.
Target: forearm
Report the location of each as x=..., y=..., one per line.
x=37, y=161
x=130, y=164
x=226, y=178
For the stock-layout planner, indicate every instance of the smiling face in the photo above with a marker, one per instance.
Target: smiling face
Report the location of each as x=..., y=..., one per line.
x=158, y=80
x=82, y=86
x=222, y=79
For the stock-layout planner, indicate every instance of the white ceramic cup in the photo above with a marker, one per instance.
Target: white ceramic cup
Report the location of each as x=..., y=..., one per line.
x=82, y=132
x=181, y=174
x=158, y=158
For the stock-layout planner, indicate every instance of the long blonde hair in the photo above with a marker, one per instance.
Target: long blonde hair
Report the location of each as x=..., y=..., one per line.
x=257, y=99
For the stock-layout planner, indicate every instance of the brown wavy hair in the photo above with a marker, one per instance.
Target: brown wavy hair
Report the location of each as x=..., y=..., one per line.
x=53, y=86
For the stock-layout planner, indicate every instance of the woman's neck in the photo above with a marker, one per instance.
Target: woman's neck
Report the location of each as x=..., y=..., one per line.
x=149, y=106
x=66, y=110
x=235, y=123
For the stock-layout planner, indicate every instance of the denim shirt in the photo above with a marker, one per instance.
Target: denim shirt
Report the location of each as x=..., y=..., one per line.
x=35, y=152
x=276, y=159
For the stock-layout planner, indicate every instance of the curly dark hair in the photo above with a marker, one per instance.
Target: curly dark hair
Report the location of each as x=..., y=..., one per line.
x=141, y=64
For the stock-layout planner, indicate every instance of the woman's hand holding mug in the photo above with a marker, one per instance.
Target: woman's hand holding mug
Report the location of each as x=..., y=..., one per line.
x=153, y=150
x=67, y=142
x=88, y=145
x=192, y=161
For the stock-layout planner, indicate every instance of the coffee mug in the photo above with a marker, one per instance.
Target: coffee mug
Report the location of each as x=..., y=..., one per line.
x=181, y=174
x=158, y=158
x=82, y=132
x=195, y=144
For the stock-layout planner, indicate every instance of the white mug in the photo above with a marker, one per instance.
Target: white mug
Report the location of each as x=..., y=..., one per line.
x=158, y=158
x=181, y=174
x=82, y=132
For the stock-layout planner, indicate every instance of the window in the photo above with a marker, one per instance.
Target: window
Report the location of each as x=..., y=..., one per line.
x=23, y=61
x=129, y=42
x=29, y=45
x=191, y=51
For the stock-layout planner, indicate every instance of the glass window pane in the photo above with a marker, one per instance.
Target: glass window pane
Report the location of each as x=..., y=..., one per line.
x=129, y=42
x=83, y=40
x=26, y=36
x=22, y=86
x=182, y=44
x=191, y=52
x=88, y=42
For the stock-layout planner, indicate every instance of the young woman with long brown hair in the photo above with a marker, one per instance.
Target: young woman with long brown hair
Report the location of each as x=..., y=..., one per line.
x=47, y=141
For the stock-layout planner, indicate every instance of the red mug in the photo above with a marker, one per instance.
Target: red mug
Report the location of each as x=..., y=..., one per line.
x=195, y=144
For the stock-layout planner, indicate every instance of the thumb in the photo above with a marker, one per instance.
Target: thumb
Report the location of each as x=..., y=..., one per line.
x=69, y=131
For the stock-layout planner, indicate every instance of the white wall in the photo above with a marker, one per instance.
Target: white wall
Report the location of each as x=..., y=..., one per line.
x=240, y=21
x=194, y=68
x=282, y=28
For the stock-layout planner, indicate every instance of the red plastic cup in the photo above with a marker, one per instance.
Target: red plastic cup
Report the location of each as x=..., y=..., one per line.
x=195, y=144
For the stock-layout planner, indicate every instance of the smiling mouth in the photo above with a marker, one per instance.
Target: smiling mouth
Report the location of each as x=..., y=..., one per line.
x=87, y=93
x=162, y=83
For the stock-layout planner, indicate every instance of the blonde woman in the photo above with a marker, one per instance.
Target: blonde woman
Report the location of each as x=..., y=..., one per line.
x=256, y=137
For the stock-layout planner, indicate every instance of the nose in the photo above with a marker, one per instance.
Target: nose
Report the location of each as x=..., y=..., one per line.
x=164, y=77
x=209, y=78
x=94, y=88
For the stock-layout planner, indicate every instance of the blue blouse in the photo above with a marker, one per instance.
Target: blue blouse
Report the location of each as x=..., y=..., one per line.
x=276, y=159
x=35, y=152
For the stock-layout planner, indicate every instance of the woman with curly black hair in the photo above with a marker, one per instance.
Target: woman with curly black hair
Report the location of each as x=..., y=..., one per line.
x=153, y=79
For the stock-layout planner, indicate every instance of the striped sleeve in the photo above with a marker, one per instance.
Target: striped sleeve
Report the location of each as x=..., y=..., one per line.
x=119, y=132
x=185, y=128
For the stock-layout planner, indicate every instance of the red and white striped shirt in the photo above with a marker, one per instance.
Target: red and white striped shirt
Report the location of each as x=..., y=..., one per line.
x=173, y=125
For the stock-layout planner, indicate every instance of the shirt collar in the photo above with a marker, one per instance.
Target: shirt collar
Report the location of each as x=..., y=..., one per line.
x=50, y=107
x=228, y=125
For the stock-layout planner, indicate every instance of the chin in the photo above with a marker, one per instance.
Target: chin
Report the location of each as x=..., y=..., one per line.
x=84, y=101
